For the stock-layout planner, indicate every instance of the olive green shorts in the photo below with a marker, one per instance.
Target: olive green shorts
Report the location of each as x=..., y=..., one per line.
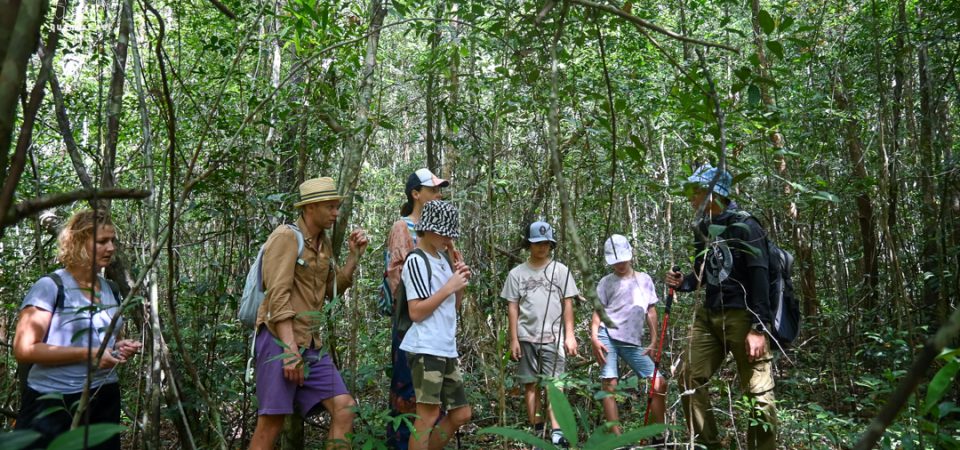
x=437, y=380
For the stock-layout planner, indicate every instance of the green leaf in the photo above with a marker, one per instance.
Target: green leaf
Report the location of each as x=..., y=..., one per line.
x=949, y=354
x=563, y=413
x=716, y=230
x=608, y=441
x=387, y=125
x=766, y=21
x=49, y=411
x=939, y=385
x=51, y=396
x=753, y=94
x=601, y=394
x=740, y=177
x=755, y=251
x=16, y=440
x=785, y=22
x=73, y=439
x=825, y=196
x=743, y=73
x=776, y=47
x=742, y=226
x=620, y=104
x=401, y=7
x=634, y=154
x=520, y=436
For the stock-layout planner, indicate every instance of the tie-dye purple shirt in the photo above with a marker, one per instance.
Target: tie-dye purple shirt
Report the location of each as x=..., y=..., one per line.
x=626, y=301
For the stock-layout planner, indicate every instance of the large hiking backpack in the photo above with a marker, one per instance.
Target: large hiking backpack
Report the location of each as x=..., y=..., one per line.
x=23, y=369
x=784, y=306
x=401, y=313
x=253, y=293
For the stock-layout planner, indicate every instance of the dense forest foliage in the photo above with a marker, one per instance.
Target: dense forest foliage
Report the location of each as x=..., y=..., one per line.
x=837, y=119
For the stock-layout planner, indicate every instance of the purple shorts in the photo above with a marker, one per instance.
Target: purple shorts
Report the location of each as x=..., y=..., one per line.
x=276, y=395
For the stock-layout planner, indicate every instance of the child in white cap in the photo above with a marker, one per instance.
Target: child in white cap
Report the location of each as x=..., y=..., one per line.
x=628, y=298
x=540, y=294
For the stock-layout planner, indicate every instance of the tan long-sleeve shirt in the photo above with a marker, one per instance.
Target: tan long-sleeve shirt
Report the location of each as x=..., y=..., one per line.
x=297, y=289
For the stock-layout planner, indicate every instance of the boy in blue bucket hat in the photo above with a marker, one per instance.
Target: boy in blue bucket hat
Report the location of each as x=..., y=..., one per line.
x=735, y=316
x=539, y=294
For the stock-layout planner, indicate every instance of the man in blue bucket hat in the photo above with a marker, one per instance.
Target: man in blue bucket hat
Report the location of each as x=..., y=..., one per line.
x=735, y=316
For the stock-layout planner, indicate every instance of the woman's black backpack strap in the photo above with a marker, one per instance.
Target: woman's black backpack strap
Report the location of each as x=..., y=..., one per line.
x=115, y=289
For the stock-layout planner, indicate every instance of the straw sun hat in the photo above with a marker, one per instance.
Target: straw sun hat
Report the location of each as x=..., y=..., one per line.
x=318, y=190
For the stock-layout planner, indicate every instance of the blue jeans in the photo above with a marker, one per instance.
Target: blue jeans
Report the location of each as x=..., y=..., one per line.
x=632, y=354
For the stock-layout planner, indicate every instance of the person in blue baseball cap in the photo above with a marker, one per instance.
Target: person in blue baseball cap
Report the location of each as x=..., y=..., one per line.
x=735, y=318
x=706, y=174
x=539, y=294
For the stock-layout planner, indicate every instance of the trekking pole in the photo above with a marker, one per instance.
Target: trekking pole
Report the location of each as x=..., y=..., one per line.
x=656, y=363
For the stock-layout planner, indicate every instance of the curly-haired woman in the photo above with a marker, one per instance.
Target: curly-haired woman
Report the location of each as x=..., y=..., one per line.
x=63, y=321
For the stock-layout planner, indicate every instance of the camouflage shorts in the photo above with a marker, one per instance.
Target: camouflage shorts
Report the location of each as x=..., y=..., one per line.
x=437, y=380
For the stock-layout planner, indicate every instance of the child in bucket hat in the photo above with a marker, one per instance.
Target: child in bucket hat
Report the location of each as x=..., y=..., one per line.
x=434, y=288
x=441, y=218
x=422, y=186
x=540, y=294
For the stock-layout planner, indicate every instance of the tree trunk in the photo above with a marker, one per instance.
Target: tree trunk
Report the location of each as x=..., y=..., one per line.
x=19, y=35
x=356, y=139
x=451, y=111
x=930, y=248
x=115, y=100
x=800, y=234
x=891, y=232
x=433, y=159
x=13, y=173
x=868, y=234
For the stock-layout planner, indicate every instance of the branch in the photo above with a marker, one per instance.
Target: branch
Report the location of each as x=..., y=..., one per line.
x=224, y=9
x=30, y=109
x=28, y=208
x=547, y=7
x=947, y=333
x=640, y=23
x=331, y=122
x=556, y=166
x=67, y=133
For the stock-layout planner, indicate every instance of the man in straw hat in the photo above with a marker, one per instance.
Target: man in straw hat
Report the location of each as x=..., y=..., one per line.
x=296, y=289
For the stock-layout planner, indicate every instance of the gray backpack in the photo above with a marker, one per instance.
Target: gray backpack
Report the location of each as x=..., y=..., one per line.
x=253, y=293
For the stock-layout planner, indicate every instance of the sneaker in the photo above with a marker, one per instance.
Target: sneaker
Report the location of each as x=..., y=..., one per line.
x=561, y=442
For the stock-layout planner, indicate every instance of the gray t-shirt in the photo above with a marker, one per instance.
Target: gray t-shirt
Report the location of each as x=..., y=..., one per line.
x=626, y=301
x=540, y=293
x=436, y=334
x=70, y=327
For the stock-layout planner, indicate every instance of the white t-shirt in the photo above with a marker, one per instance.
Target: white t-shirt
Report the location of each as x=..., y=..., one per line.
x=626, y=301
x=540, y=293
x=70, y=327
x=437, y=333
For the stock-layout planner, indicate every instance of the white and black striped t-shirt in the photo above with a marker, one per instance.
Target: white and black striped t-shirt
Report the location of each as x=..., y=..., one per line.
x=437, y=334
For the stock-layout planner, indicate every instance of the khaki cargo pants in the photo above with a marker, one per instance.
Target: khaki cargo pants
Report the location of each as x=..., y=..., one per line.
x=714, y=334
